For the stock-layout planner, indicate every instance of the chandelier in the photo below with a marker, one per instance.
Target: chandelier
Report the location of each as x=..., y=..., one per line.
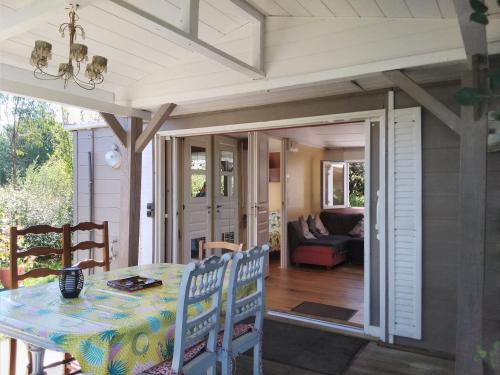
x=42, y=53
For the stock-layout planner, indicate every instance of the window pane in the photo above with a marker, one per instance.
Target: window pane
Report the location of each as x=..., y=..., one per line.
x=198, y=185
x=338, y=184
x=333, y=184
x=195, y=247
x=228, y=237
x=226, y=186
x=198, y=158
x=357, y=184
x=226, y=161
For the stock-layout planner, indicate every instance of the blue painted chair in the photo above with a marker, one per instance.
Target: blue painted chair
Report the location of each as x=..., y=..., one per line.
x=247, y=268
x=193, y=355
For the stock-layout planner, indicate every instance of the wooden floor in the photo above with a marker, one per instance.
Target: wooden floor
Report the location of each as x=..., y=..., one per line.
x=341, y=286
x=375, y=359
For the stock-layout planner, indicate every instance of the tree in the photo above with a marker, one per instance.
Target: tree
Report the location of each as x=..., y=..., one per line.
x=30, y=135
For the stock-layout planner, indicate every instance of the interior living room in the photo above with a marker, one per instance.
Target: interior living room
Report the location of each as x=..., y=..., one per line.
x=315, y=192
x=325, y=198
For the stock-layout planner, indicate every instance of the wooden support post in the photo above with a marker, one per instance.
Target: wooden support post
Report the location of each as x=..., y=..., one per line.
x=425, y=99
x=470, y=270
x=156, y=122
x=117, y=128
x=130, y=198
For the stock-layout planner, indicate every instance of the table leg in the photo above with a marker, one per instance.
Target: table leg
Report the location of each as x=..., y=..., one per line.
x=37, y=355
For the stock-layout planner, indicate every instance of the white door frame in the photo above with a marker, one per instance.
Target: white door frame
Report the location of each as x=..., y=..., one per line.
x=378, y=115
x=284, y=262
x=220, y=144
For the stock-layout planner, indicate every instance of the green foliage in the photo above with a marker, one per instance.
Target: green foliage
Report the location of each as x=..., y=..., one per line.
x=30, y=135
x=480, y=12
x=480, y=18
x=35, y=175
x=478, y=6
x=356, y=184
x=197, y=185
x=468, y=96
x=489, y=357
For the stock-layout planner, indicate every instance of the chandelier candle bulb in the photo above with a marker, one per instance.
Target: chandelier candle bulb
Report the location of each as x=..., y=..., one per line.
x=78, y=52
x=70, y=71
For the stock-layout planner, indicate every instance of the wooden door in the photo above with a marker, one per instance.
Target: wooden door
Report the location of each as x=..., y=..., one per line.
x=258, y=187
x=226, y=225
x=197, y=201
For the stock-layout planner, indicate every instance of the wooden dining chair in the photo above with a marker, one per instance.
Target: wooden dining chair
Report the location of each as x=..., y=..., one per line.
x=194, y=353
x=15, y=254
x=88, y=245
x=206, y=249
x=247, y=269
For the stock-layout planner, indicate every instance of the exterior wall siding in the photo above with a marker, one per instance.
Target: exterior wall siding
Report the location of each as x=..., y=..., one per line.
x=106, y=185
x=491, y=328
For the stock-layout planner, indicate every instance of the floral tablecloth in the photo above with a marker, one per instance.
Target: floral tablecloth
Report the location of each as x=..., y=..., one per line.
x=108, y=331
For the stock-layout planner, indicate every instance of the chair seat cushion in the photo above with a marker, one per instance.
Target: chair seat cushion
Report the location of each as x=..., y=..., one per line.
x=238, y=331
x=165, y=368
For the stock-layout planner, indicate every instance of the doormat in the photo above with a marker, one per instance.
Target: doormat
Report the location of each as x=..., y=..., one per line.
x=288, y=346
x=325, y=311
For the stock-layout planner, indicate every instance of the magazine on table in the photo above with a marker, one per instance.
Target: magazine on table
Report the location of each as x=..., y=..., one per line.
x=134, y=283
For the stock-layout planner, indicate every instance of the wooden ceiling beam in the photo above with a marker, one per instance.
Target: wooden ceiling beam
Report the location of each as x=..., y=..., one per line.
x=425, y=99
x=154, y=125
x=117, y=128
x=190, y=10
x=192, y=42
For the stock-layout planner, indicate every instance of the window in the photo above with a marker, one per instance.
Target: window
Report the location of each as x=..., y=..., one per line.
x=343, y=184
x=198, y=171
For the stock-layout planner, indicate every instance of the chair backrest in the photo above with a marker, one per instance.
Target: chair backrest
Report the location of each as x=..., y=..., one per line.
x=87, y=245
x=206, y=248
x=201, y=285
x=36, y=251
x=247, y=268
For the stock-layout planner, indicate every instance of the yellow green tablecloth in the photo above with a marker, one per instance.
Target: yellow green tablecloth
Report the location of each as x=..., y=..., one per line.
x=108, y=331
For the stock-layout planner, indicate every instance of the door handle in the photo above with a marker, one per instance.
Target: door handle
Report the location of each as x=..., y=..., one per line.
x=218, y=206
x=377, y=215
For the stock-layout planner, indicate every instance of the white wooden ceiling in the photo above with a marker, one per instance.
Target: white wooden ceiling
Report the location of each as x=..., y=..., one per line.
x=360, y=8
x=328, y=136
x=312, y=48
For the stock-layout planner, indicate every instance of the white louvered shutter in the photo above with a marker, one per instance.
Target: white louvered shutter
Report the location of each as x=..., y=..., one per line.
x=405, y=223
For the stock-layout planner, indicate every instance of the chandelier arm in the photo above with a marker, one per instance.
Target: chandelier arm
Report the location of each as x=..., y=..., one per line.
x=84, y=85
x=91, y=83
x=44, y=75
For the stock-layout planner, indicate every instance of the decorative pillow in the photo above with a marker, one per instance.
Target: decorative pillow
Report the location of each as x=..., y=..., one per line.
x=359, y=229
x=320, y=227
x=312, y=227
x=305, y=229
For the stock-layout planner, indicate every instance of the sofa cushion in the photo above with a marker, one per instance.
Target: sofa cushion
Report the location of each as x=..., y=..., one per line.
x=320, y=226
x=312, y=227
x=359, y=229
x=340, y=223
x=304, y=227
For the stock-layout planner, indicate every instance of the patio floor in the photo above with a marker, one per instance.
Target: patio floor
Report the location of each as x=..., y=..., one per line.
x=373, y=359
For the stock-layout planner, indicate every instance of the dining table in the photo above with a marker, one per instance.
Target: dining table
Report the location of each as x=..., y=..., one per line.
x=108, y=331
